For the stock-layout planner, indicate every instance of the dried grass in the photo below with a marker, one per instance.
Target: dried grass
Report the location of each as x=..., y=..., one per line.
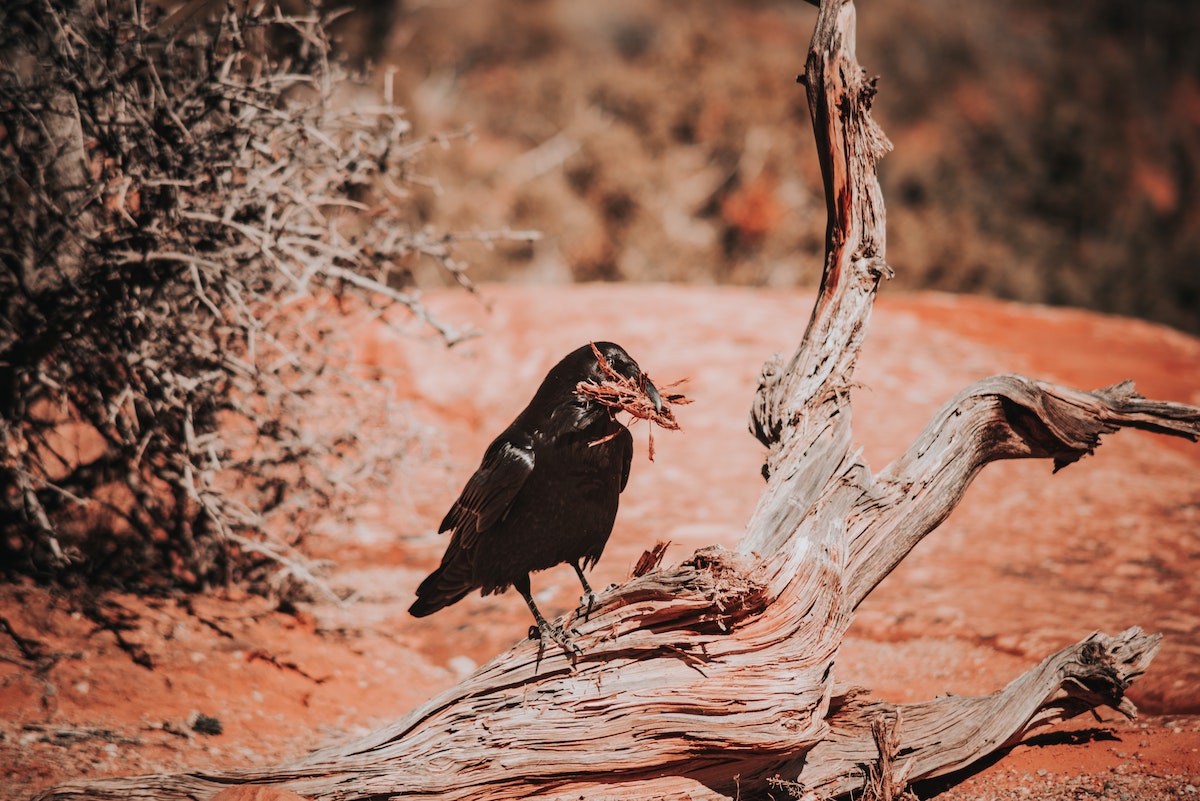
x=621, y=392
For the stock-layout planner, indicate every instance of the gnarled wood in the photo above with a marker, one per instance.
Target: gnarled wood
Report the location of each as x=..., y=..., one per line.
x=713, y=678
x=943, y=735
x=1002, y=417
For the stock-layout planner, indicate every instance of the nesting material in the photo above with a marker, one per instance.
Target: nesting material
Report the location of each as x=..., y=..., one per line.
x=629, y=395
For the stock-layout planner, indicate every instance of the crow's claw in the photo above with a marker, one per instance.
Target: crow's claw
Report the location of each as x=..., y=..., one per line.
x=587, y=601
x=546, y=633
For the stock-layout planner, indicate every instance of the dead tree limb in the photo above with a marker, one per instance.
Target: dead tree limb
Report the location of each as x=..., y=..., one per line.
x=715, y=678
x=946, y=734
x=1003, y=417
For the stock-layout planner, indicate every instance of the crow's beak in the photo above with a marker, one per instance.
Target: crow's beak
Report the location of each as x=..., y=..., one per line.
x=652, y=391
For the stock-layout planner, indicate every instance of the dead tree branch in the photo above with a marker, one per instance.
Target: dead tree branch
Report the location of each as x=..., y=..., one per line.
x=1003, y=417
x=944, y=735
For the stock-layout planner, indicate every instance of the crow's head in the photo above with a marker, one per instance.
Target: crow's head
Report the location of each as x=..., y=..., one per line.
x=582, y=365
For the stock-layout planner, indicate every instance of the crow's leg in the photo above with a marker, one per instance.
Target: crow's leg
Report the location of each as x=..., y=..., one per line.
x=545, y=631
x=589, y=595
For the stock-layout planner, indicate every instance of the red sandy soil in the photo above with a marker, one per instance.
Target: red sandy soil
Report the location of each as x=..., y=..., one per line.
x=1031, y=561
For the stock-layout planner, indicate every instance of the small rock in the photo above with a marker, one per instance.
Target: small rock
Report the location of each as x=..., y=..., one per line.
x=206, y=724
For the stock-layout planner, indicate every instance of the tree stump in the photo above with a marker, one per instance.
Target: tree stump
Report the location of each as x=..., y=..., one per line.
x=716, y=678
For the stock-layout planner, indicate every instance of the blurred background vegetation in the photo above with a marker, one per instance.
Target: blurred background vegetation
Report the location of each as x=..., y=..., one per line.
x=1045, y=152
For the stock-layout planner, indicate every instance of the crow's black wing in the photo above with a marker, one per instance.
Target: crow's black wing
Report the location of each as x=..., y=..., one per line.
x=490, y=492
x=626, y=442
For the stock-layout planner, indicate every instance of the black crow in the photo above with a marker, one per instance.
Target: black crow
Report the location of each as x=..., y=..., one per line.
x=546, y=492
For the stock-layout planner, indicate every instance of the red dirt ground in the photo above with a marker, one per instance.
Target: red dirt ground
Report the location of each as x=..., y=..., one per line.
x=1030, y=562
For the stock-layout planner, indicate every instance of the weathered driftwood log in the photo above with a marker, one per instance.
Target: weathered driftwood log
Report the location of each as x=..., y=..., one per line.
x=715, y=678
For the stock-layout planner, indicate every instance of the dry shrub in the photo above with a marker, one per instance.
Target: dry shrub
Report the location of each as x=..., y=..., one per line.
x=186, y=201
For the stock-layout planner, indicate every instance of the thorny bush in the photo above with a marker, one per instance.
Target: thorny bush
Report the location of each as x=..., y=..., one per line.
x=179, y=199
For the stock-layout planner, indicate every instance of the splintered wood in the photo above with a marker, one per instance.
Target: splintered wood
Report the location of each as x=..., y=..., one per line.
x=627, y=394
x=651, y=559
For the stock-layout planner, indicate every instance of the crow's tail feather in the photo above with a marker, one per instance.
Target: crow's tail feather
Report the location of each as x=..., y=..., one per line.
x=447, y=585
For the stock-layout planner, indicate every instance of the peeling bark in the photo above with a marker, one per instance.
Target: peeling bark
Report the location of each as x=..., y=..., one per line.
x=715, y=678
